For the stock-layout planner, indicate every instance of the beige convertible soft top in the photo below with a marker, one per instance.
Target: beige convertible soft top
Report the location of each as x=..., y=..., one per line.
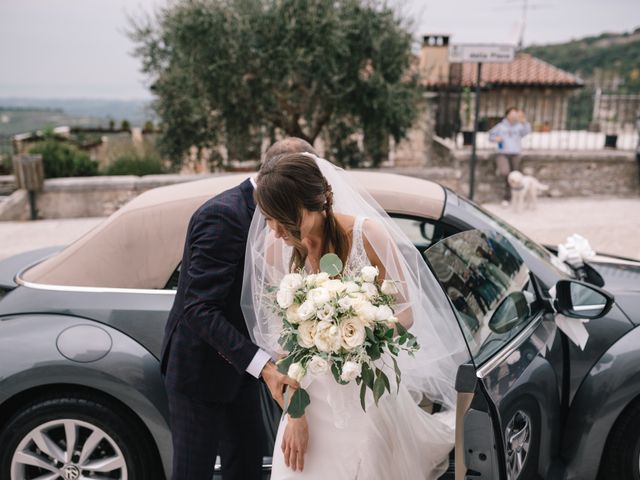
x=141, y=244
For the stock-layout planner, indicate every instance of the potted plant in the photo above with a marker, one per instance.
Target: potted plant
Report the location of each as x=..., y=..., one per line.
x=611, y=135
x=467, y=127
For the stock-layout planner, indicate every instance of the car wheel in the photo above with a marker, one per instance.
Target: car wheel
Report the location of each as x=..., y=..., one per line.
x=522, y=440
x=74, y=437
x=621, y=459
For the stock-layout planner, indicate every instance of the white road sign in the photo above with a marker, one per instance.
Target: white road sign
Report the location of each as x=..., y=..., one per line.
x=481, y=53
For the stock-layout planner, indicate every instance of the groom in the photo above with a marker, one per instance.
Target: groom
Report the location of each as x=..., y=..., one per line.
x=209, y=365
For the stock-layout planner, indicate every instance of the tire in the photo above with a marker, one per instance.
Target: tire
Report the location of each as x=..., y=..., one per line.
x=621, y=456
x=524, y=412
x=43, y=428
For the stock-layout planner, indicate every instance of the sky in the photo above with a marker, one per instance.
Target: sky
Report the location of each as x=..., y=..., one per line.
x=79, y=49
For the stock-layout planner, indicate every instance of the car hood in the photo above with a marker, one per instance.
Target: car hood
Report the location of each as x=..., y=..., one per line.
x=622, y=278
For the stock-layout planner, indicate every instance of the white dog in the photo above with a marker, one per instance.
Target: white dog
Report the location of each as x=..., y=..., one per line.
x=524, y=190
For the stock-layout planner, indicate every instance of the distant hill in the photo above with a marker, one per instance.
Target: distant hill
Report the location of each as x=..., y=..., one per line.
x=609, y=54
x=18, y=115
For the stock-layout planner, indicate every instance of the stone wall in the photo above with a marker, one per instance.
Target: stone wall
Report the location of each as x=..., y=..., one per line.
x=84, y=196
x=568, y=174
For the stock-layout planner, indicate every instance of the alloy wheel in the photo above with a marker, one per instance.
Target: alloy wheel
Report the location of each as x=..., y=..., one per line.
x=518, y=440
x=68, y=449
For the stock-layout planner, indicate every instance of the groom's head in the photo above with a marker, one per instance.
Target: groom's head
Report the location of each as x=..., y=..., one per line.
x=284, y=147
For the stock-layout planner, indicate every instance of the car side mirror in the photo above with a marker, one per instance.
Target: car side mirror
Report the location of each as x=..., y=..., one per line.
x=577, y=299
x=511, y=311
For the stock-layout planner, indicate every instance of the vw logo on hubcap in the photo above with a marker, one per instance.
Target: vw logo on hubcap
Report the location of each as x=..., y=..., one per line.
x=70, y=472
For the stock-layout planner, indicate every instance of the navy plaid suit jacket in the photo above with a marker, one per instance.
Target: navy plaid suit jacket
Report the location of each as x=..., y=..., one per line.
x=206, y=347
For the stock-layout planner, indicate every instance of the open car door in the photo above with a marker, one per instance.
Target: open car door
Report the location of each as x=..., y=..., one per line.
x=508, y=395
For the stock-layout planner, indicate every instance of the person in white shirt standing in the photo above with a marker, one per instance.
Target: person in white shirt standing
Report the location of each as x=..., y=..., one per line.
x=508, y=135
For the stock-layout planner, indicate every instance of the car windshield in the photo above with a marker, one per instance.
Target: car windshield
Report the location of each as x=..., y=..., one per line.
x=513, y=233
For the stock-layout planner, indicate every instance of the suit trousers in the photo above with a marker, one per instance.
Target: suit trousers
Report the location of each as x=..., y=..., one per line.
x=202, y=430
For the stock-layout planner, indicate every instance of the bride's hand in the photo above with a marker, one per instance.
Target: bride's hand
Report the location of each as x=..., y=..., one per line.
x=294, y=442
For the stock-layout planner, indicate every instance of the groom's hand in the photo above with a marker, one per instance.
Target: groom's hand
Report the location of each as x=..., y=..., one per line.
x=277, y=382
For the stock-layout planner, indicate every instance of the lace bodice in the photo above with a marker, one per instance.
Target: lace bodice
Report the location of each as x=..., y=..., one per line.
x=357, y=255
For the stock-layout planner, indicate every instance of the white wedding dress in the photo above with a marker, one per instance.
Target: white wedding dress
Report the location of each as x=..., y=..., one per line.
x=395, y=440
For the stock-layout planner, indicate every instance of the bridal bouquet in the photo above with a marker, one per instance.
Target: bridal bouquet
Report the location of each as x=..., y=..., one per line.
x=345, y=325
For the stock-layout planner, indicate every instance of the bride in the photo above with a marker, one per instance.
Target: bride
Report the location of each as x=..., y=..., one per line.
x=313, y=208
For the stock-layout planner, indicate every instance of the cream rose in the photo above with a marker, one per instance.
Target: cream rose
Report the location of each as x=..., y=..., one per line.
x=388, y=287
x=291, y=281
x=350, y=371
x=319, y=296
x=383, y=313
x=296, y=371
x=370, y=290
x=335, y=287
x=318, y=365
x=366, y=312
x=351, y=287
x=285, y=297
x=306, y=334
x=353, y=333
x=307, y=310
x=369, y=273
x=326, y=312
x=327, y=337
x=292, y=314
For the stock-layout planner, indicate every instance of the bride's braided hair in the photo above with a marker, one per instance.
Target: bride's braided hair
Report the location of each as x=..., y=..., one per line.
x=288, y=185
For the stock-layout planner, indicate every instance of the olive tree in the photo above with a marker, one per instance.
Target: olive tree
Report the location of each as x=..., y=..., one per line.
x=233, y=71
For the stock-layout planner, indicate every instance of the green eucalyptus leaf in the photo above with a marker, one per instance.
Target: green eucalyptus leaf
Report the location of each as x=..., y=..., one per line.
x=284, y=363
x=331, y=264
x=367, y=375
x=378, y=388
x=363, y=395
x=299, y=401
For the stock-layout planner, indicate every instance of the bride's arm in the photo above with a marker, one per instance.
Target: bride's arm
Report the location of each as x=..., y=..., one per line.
x=382, y=252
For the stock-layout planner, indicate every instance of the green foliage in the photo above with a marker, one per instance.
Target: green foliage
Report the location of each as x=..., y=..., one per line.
x=61, y=159
x=148, y=127
x=135, y=164
x=298, y=66
x=125, y=125
x=611, y=53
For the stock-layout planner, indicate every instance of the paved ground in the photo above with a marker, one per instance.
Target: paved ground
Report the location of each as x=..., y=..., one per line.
x=612, y=225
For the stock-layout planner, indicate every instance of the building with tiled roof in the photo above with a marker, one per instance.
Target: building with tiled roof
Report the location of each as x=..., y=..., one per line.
x=539, y=88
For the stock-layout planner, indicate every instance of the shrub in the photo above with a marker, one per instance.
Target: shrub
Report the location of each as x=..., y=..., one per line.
x=133, y=164
x=64, y=160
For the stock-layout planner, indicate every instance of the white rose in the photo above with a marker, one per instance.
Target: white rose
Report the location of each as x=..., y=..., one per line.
x=346, y=303
x=327, y=337
x=388, y=287
x=285, y=297
x=306, y=334
x=353, y=334
x=326, y=312
x=350, y=371
x=369, y=273
x=366, y=312
x=292, y=314
x=318, y=365
x=335, y=287
x=383, y=313
x=370, y=290
x=319, y=296
x=321, y=278
x=351, y=287
x=307, y=310
x=291, y=281
x=296, y=371
x=310, y=280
